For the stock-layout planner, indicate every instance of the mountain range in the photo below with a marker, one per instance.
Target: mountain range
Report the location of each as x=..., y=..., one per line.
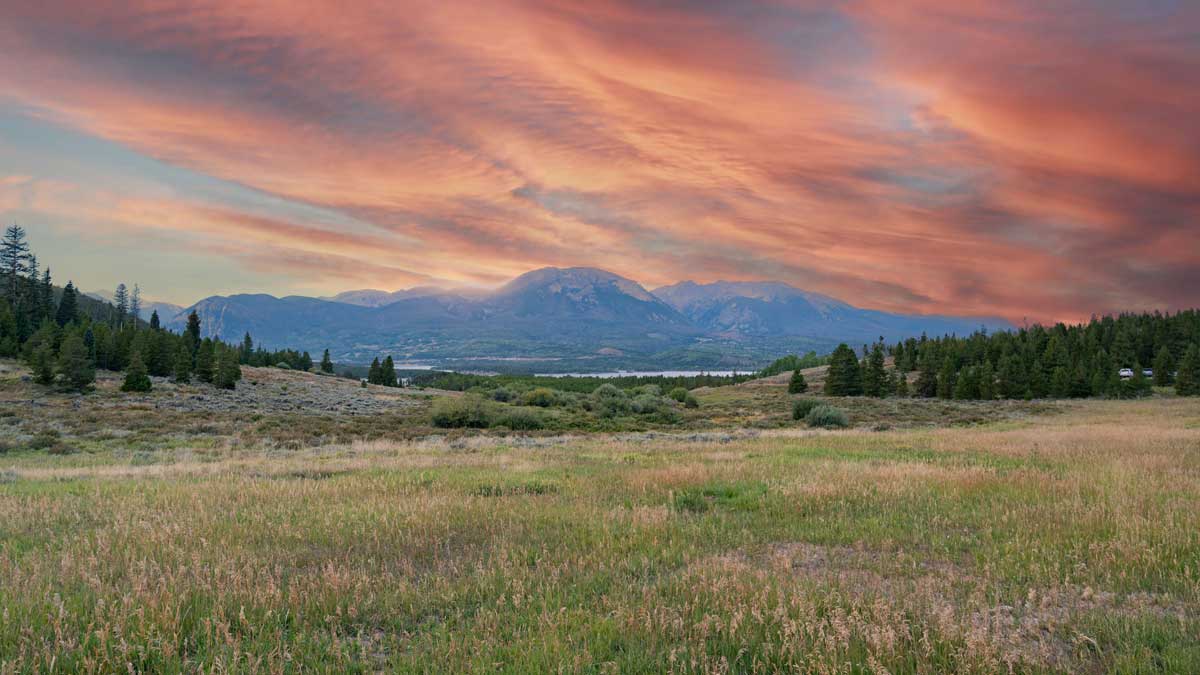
x=574, y=319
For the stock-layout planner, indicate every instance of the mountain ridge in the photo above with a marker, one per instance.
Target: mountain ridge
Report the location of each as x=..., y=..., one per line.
x=568, y=318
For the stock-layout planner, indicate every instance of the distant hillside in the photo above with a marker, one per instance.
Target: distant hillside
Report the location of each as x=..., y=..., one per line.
x=556, y=319
x=166, y=311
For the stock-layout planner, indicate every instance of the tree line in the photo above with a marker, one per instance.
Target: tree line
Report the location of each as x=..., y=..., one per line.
x=65, y=336
x=1107, y=357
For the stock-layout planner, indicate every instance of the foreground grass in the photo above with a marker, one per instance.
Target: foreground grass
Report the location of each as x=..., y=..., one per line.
x=1061, y=543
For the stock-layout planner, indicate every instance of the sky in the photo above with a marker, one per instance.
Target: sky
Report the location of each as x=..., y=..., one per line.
x=1023, y=159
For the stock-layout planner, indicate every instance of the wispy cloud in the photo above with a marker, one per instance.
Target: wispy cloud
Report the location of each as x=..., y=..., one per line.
x=927, y=156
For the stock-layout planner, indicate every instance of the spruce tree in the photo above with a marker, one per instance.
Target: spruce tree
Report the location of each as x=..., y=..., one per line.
x=136, y=377
x=1137, y=386
x=68, y=306
x=987, y=381
x=306, y=362
x=927, y=380
x=75, y=364
x=326, y=363
x=1163, y=364
x=388, y=373
x=1187, y=378
x=874, y=376
x=183, y=364
x=1060, y=383
x=205, y=361
x=228, y=371
x=191, y=334
x=247, y=348
x=843, y=377
x=901, y=384
x=375, y=374
x=155, y=322
x=797, y=385
x=42, y=362
x=947, y=378
x=14, y=260
x=121, y=300
x=135, y=305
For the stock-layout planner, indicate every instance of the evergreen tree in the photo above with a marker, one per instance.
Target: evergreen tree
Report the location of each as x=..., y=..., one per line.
x=306, y=362
x=121, y=300
x=966, y=385
x=797, y=385
x=843, y=377
x=874, y=375
x=205, y=361
x=947, y=378
x=1187, y=379
x=191, y=334
x=228, y=371
x=14, y=260
x=901, y=384
x=46, y=301
x=388, y=373
x=136, y=377
x=1138, y=385
x=1163, y=364
x=135, y=305
x=155, y=322
x=1060, y=382
x=183, y=364
x=326, y=363
x=375, y=374
x=68, y=306
x=987, y=381
x=75, y=364
x=927, y=380
x=247, y=348
x=42, y=363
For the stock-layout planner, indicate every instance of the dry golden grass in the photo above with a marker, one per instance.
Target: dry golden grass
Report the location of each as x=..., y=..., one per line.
x=1062, y=543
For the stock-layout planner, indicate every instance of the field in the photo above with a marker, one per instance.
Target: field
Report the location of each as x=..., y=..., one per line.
x=152, y=536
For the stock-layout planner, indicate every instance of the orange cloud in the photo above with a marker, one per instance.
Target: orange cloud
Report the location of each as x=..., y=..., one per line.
x=959, y=157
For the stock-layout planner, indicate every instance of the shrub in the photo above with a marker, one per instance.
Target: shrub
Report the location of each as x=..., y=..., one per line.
x=690, y=401
x=803, y=406
x=679, y=394
x=502, y=394
x=519, y=419
x=541, y=397
x=461, y=413
x=44, y=440
x=61, y=448
x=283, y=365
x=827, y=417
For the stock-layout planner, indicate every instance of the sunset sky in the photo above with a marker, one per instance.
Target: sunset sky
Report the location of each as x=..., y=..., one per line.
x=965, y=157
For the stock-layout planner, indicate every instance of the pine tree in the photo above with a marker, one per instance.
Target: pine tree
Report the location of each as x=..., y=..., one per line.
x=927, y=380
x=191, y=334
x=155, y=322
x=121, y=300
x=987, y=381
x=42, y=362
x=247, y=348
x=14, y=259
x=966, y=385
x=874, y=376
x=1163, y=364
x=901, y=384
x=843, y=377
x=797, y=385
x=306, y=362
x=46, y=302
x=1060, y=383
x=228, y=371
x=183, y=364
x=75, y=364
x=136, y=377
x=1187, y=379
x=68, y=306
x=947, y=378
x=135, y=305
x=205, y=361
x=326, y=363
x=1138, y=385
x=388, y=373
x=375, y=374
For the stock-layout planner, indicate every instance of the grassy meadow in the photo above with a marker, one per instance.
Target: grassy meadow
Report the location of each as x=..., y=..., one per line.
x=1050, y=538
